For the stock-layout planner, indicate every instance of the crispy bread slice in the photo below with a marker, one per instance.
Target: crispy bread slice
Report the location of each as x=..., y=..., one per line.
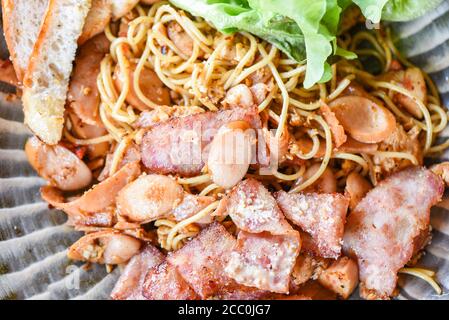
x=47, y=77
x=22, y=20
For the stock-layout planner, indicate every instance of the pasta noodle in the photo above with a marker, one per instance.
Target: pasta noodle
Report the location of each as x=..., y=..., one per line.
x=424, y=274
x=214, y=63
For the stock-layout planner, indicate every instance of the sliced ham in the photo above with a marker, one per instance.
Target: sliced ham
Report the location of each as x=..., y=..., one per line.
x=176, y=146
x=163, y=282
x=130, y=284
x=253, y=209
x=264, y=261
x=382, y=230
x=320, y=215
x=239, y=292
x=201, y=263
x=309, y=246
x=147, y=119
x=267, y=246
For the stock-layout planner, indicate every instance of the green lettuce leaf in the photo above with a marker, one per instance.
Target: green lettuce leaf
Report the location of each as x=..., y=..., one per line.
x=372, y=9
x=395, y=10
x=230, y=16
x=303, y=29
x=308, y=15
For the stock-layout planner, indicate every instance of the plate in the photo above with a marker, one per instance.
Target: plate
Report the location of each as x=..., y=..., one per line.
x=34, y=240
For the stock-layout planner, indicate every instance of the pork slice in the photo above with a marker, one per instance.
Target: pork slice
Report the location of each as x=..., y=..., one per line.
x=382, y=230
x=192, y=204
x=163, y=282
x=201, y=263
x=264, y=261
x=321, y=215
x=179, y=145
x=253, y=209
x=130, y=284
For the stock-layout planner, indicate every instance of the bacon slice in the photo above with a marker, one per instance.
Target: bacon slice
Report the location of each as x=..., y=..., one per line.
x=201, y=263
x=264, y=261
x=190, y=205
x=267, y=246
x=253, y=209
x=129, y=285
x=147, y=119
x=163, y=282
x=382, y=230
x=320, y=215
x=176, y=146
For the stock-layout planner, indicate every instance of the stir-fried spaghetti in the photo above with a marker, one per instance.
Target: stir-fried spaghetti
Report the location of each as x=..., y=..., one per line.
x=234, y=149
x=214, y=63
x=202, y=150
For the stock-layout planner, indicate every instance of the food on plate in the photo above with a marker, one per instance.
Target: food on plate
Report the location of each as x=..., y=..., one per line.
x=130, y=284
x=231, y=149
x=58, y=164
x=99, y=16
x=321, y=215
x=385, y=229
x=22, y=21
x=341, y=277
x=46, y=80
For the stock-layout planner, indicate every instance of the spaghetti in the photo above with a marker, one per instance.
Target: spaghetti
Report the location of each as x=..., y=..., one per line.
x=201, y=68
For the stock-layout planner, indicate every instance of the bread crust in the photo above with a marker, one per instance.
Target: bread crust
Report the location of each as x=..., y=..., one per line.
x=45, y=28
x=12, y=37
x=44, y=112
x=7, y=8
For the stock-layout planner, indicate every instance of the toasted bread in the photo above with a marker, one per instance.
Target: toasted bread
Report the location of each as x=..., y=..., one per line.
x=47, y=77
x=22, y=20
